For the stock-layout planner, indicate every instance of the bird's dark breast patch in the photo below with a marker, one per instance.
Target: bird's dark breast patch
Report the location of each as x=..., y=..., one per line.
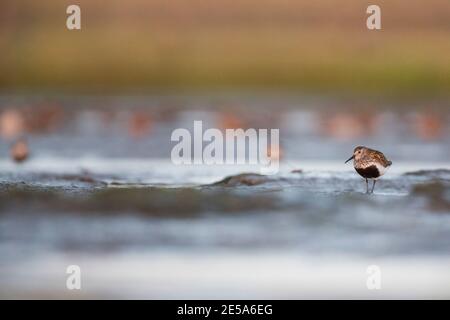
x=368, y=172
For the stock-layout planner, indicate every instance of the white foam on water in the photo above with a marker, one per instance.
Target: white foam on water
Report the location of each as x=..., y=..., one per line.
x=163, y=171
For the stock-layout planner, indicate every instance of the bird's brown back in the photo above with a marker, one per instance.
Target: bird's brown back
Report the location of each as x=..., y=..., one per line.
x=379, y=157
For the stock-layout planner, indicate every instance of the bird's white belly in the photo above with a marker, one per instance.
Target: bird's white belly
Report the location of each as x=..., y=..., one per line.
x=381, y=169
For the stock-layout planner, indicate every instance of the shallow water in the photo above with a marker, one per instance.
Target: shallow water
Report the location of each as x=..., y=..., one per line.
x=141, y=227
x=51, y=220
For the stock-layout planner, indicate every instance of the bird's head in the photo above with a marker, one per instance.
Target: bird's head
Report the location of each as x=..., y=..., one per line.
x=357, y=153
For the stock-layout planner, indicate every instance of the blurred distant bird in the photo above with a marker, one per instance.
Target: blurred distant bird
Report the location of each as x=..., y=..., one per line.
x=19, y=151
x=12, y=123
x=370, y=164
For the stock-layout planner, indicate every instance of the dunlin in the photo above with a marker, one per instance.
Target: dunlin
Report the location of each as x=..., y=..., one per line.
x=370, y=164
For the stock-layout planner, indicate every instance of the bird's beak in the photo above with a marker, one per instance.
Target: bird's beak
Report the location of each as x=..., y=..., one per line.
x=350, y=159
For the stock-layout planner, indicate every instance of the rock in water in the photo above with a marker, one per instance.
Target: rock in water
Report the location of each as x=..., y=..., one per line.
x=246, y=179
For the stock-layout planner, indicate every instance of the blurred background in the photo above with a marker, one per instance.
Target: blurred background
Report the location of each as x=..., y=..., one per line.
x=86, y=177
x=321, y=46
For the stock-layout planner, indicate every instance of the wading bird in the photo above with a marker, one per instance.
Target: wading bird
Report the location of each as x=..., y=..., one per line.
x=370, y=164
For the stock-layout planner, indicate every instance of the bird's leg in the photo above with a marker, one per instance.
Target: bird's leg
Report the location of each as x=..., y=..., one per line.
x=367, y=185
x=373, y=186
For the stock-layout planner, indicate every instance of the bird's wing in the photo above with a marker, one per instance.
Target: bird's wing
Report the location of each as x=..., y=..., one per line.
x=380, y=157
